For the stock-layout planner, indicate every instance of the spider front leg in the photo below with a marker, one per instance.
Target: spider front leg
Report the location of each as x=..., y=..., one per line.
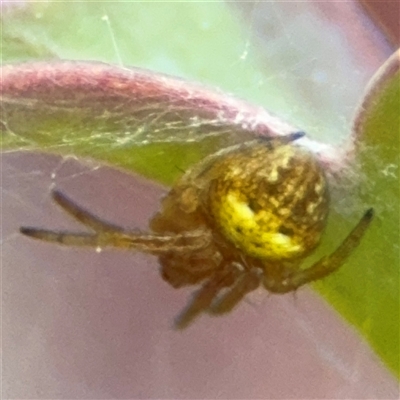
x=109, y=235
x=206, y=295
x=324, y=266
x=249, y=281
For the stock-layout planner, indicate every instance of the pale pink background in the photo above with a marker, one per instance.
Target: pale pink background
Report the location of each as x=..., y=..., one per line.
x=78, y=324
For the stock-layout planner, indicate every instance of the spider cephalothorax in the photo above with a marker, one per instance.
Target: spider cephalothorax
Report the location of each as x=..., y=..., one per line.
x=244, y=216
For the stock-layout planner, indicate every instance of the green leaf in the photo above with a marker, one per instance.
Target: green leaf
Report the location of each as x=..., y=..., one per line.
x=368, y=294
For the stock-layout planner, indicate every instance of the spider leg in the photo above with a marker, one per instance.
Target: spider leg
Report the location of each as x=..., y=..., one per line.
x=145, y=242
x=66, y=238
x=106, y=234
x=248, y=282
x=204, y=297
x=328, y=264
x=82, y=215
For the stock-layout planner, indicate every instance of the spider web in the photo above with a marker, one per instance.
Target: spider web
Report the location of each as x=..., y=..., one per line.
x=264, y=52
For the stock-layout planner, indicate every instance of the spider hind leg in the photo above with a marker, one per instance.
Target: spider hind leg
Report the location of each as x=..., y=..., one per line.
x=326, y=265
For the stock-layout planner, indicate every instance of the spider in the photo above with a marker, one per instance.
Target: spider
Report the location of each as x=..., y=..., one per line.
x=245, y=216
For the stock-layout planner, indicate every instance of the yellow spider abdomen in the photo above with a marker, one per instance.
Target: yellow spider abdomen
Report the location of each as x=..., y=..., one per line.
x=255, y=233
x=270, y=201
